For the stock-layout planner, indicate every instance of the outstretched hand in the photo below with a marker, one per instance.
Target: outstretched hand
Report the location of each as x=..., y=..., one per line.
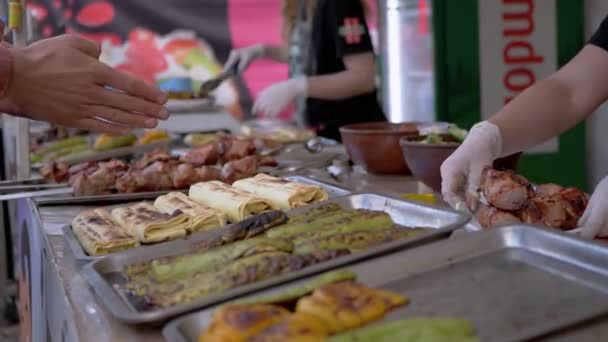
x=61, y=80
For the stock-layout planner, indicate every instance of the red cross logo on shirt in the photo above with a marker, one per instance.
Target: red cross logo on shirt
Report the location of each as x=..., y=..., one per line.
x=352, y=30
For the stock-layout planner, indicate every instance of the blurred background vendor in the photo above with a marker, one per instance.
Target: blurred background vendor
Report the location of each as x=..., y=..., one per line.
x=332, y=66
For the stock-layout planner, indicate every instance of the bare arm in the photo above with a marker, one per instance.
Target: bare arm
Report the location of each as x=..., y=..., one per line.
x=556, y=104
x=277, y=53
x=357, y=79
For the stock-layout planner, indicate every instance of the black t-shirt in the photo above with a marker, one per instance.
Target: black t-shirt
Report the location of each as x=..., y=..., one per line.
x=600, y=37
x=339, y=29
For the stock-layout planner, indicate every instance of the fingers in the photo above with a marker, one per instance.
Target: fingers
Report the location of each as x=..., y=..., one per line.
x=119, y=80
x=98, y=125
x=121, y=117
x=132, y=104
x=452, y=184
x=89, y=47
x=474, y=180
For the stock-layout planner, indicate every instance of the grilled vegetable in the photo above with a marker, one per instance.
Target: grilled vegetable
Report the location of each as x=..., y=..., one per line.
x=315, y=213
x=245, y=270
x=64, y=152
x=354, y=241
x=348, y=305
x=200, y=139
x=297, y=327
x=153, y=136
x=181, y=266
x=65, y=144
x=107, y=142
x=302, y=290
x=249, y=227
x=321, y=221
x=367, y=221
x=413, y=330
x=241, y=322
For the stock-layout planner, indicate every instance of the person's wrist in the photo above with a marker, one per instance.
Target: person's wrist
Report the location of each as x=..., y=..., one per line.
x=488, y=133
x=260, y=51
x=301, y=85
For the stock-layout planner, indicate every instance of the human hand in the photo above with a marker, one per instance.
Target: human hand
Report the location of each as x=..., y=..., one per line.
x=274, y=99
x=244, y=57
x=61, y=80
x=594, y=221
x=461, y=172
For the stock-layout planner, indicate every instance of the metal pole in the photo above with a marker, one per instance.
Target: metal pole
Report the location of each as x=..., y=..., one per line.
x=20, y=36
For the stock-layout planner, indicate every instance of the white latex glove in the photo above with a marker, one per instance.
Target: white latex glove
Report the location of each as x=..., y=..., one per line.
x=244, y=56
x=461, y=172
x=274, y=99
x=594, y=221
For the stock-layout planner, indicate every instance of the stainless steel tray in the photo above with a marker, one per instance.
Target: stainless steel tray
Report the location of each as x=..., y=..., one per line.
x=9, y=189
x=81, y=255
x=103, y=274
x=100, y=199
x=513, y=284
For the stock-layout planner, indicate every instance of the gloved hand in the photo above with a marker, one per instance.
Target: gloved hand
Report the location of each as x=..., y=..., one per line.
x=594, y=221
x=461, y=172
x=244, y=57
x=274, y=99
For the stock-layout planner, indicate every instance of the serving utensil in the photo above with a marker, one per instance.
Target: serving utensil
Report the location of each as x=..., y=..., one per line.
x=212, y=84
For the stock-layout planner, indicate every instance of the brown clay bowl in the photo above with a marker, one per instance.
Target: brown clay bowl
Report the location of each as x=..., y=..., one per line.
x=425, y=160
x=375, y=146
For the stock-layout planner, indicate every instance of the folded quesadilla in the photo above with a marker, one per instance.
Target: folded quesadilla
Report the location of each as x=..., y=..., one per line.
x=281, y=193
x=99, y=234
x=202, y=218
x=235, y=203
x=148, y=224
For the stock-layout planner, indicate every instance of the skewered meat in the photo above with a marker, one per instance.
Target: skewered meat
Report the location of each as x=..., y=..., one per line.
x=114, y=165
x=157, y=177
x=99, y=182
x=239, y=169
x=575, y=202
x=131, y=181
x=57, y=172
x=505, y=190
x=238, y=149
x=490, y=217
x=548, y=189
x=267, y=161
x=153, y=157
x=204, y=155
x=544, y=210
x=86, y=167
x=207, y=173
x=182, y=176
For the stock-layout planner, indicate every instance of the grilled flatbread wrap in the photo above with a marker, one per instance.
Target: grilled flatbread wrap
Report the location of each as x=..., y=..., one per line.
x=281, y=193
x=202, y=218
x=99, y=233
x=150, y=225
x=235, y=203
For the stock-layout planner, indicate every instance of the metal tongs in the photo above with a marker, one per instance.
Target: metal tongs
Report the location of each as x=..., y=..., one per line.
x=212, y=84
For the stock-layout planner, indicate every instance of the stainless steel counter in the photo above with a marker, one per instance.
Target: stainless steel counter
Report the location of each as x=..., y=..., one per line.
x=61, y=306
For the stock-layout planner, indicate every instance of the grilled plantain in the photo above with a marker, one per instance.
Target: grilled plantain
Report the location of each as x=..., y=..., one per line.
x=347, y=305
x=297, y=327
x=237, y=323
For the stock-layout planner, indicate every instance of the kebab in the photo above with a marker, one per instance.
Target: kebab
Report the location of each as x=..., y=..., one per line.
x=511, y=199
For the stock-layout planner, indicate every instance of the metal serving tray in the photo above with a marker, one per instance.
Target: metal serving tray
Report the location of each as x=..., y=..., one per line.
x=100, y=199
x=513, y=284
x=81, y=255
x=103, y=275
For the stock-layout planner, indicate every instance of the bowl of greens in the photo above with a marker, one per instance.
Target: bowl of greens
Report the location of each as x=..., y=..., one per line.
x=426, y=152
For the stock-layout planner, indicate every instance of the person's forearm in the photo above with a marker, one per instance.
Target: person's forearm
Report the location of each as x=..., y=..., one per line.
x=341, y=85
x=538, y=114
x=277, y=53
